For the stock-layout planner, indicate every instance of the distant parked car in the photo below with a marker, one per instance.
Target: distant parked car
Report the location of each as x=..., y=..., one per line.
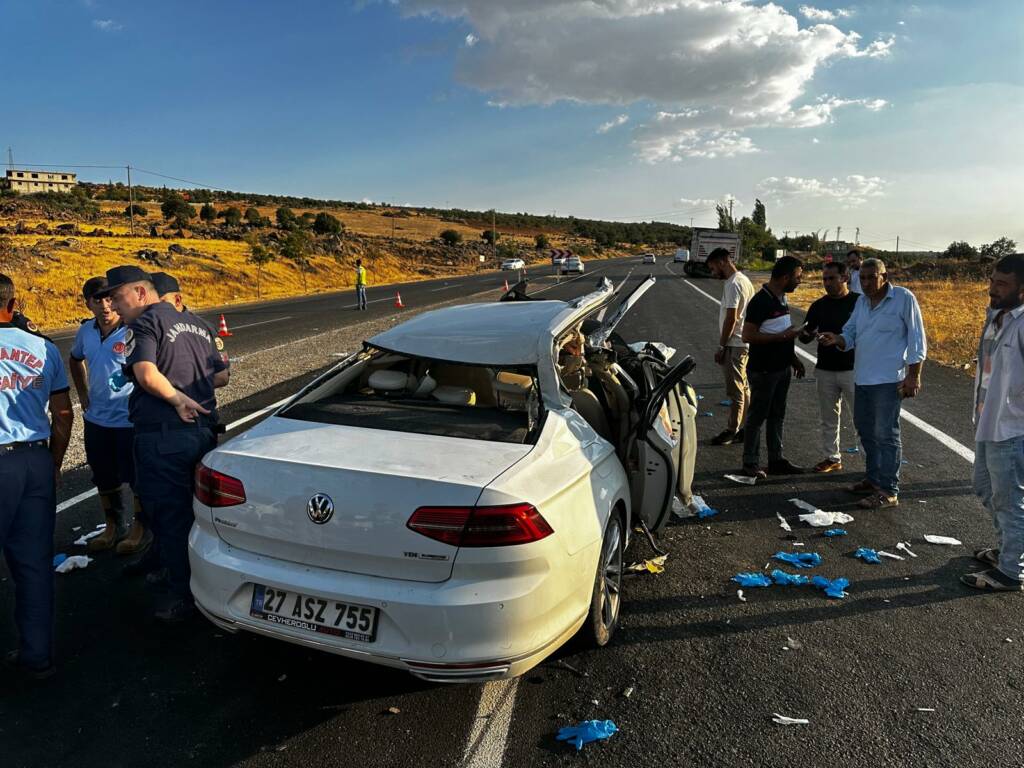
x=681, y=256
x=513, y=264
x=649, y=258
x=573, y=264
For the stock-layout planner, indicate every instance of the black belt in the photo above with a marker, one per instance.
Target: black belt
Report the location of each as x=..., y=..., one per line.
x=8, y=447
x=174, y=425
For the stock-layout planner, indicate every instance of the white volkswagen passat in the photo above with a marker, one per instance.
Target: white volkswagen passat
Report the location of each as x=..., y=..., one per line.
x=453, y=500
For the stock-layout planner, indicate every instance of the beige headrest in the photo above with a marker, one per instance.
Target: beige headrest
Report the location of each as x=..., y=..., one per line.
x=513, y=382
x=454, y=395
x=388, y=381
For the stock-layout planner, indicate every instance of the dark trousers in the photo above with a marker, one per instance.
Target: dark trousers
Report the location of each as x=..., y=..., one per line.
x=165, y=463
x=768, y=393
x=876, y=415
x=28, y=509
x=109, y=451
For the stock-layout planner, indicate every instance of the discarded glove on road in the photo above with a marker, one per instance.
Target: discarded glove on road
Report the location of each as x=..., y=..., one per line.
x=73, y=562
x=654, y=565
x=586, y=732
x=752, y=580
x=789, y=579
x=868, y=555
x=799, y=559
x=835, y=532
x=832, y=587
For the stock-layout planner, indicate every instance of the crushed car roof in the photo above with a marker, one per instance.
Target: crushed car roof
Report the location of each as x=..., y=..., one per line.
x=500, y=333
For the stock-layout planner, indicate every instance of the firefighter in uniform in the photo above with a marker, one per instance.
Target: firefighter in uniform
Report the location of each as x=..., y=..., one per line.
x=32, y=447
x=175, y=363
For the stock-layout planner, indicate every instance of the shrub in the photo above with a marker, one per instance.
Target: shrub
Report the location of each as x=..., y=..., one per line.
x=253, y=216
x=175, y=207
x=231, y=215
x=325, y=224
x=540, y=242
x=451, y=237
x=489, y=236
x=134, y=209
x=286, y=218
x=207, y=212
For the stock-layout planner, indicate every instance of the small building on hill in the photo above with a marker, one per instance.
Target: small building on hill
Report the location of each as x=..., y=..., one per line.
x=27, y=182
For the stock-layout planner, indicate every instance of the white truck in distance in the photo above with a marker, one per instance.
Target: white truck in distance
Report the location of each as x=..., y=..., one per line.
x=704, y=242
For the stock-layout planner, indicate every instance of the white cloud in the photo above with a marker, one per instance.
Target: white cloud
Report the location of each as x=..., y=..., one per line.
x=707, y=202
x=855, y=189
x=620, y=120
x=820, y=14
x=107, y=25
x=712, y=68
x=815, y=140
x=471, y=40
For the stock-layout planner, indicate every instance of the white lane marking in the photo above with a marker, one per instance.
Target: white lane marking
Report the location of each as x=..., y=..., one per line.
x=75, y=500
x=262, y=322
x=955, y=446
x=485, y=747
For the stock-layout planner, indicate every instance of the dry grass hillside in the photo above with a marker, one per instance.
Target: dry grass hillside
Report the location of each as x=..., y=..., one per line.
x=50, y=255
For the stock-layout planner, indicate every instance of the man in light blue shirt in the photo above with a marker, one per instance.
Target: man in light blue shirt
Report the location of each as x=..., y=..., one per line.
x=32, y=447
x=887, y=330
x=999, y=437
x=853, y=263
x=95, y=364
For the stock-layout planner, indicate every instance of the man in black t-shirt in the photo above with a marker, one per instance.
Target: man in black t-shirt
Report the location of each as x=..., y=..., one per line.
x=176, y=364
x=769, y=331
x=835, y=367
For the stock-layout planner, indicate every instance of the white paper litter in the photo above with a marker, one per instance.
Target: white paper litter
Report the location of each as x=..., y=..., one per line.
x=904, y=546
x=932, y=539
x=739, y=594
x=679, y=509
x=820, y=518
x=783, y=720
x=782, y=522
x=925, y=709
x=883, y=553
x=73, y=562
x=81, y=541
x=742, y=479
x=640, y=346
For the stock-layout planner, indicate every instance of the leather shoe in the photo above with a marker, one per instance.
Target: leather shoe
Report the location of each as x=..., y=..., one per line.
x=784, y=467
x=14, y=668
x=725, y=437
x=752, y=470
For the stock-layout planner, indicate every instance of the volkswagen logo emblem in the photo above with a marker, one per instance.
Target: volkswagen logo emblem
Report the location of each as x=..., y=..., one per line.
x=320, y=508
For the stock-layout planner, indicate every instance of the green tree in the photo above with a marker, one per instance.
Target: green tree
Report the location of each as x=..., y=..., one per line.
x=253, y=216
x=286, y=218
x=295, y=248
x=260, y=255
x=540, y=242
x=306, y=220
x=325, y=224
x=726, y=223
x=489, y=236
x=1004, y=246
x=231, y=215
x=960, y=250
x=450, y=237
x=759, y=216
x=207, y=212
x=175, y=207
x=134, y=209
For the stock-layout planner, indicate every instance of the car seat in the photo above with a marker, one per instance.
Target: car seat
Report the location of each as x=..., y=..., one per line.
x=586, y=404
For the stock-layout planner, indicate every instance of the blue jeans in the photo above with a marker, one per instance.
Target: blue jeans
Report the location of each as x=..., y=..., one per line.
x=876, y=415
x=165, y=464
x=999, y=481
x=28, y=510
x=361, y=296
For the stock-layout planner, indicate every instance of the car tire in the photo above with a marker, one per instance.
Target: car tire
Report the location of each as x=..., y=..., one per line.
x=606, y=598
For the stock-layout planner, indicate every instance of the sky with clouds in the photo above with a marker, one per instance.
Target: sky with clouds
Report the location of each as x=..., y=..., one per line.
x=895, y=117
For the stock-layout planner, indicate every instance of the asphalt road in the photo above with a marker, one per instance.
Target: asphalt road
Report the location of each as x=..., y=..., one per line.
x=911, y=669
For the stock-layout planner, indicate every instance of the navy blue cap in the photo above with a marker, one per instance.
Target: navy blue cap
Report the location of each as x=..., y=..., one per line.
x=118, y=276
x=165, y=283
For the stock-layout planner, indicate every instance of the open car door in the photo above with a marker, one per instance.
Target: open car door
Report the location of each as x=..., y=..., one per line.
x=661, y=451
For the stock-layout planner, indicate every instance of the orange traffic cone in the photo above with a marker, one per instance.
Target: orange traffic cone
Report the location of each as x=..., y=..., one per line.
x=506, y=285
x=398, y=300
x=223, y=330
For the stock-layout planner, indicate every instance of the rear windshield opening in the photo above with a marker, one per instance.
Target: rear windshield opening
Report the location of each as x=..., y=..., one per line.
x=400, y=393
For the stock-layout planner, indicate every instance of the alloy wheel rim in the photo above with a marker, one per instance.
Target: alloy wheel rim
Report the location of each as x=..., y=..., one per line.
x=611, y=579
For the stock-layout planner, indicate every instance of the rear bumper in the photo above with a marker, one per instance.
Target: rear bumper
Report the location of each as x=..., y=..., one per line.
x=453, y=631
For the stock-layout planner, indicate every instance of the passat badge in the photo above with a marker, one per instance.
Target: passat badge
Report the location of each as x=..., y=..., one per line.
x=320, y=508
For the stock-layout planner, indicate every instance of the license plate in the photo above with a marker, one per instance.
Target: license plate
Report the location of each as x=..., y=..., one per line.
x=314, y=614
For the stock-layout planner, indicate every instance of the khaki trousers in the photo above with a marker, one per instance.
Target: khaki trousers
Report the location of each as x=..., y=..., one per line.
x=734, y=366
x=833, y=386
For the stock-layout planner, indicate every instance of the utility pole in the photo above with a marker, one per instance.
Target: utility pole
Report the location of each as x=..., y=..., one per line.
x=897, y=245
x=732, y=222
x=838, y=230
x=856, y=237
x=10, y=158
x=494, y=235
x=131, y=203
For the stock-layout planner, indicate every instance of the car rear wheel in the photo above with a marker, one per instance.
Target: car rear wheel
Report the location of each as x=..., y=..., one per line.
x=606, y=600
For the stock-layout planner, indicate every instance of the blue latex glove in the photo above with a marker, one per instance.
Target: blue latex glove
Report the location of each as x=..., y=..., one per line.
x=725, y=402
x=833, y=588
x=707, y=413
x=789, y=579
x=868, y=555
x=854, y=449
x=586, y=732
x=59, y=558
x=799, y=559
x=835, y=532
x=706, y=512
x=752, y=580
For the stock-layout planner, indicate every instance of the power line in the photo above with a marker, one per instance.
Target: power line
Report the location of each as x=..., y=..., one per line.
x=184, y=181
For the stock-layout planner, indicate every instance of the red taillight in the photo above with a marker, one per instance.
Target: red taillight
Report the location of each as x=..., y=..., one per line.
x=215, y=489
x=481, y=526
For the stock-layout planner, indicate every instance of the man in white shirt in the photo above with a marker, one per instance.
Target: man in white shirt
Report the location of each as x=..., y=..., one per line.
x=853, y=262
x=732, y=351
